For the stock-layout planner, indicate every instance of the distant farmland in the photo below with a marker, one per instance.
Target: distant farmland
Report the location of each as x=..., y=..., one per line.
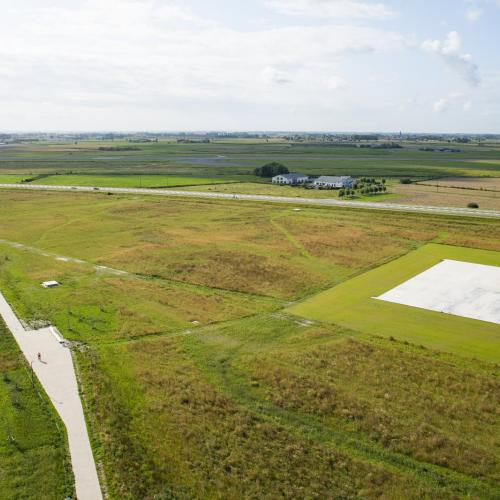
x=239, y=351
x=234, y=158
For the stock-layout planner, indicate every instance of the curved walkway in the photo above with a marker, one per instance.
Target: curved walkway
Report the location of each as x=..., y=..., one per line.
x=57, y=376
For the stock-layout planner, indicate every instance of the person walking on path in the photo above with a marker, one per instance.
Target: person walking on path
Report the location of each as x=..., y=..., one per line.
x=39, y=357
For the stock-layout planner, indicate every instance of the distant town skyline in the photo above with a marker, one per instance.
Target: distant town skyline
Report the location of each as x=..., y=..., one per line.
x=261, y=65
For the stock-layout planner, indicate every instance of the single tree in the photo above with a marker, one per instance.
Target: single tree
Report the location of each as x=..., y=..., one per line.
x=271, y=169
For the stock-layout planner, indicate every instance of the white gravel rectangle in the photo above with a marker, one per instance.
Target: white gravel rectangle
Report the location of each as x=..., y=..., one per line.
x=453, y=287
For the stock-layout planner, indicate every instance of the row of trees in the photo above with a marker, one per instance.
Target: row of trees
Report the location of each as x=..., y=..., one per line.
x=364, y=191
x=369, y=180
x=346, y=192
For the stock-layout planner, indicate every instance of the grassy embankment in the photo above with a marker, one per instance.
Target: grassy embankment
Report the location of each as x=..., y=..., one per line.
x=34, y=461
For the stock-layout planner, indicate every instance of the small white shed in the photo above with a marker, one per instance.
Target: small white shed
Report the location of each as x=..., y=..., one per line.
x=50, y=284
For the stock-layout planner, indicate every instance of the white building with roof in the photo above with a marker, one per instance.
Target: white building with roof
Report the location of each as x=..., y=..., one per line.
x=291, y=179
x=328, y=181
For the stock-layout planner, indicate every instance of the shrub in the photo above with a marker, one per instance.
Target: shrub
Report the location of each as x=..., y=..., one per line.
x=405, y=181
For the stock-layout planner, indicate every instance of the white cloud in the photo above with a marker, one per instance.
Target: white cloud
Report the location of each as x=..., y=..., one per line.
x=161, y=64
x=148, y=53
x=445, y=103
x=467, y=106
x=449, y=51
x=476, y=8
x=473, y=14
x=271, y=75
x=441, y=105
x=340, y=9
x=336, y=82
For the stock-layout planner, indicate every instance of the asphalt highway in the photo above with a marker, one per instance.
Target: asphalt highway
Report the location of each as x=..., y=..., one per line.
x=466, y=212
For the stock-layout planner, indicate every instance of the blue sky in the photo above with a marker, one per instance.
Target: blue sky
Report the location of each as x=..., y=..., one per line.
x=318, y=65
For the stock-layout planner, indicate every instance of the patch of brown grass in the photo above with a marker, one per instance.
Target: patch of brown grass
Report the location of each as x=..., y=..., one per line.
x=409, y=403
x=342, y=243
x=167, y=431
x=417, y=194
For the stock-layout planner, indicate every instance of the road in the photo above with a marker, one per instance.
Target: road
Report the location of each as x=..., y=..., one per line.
x=465, y=212
x=57, y=375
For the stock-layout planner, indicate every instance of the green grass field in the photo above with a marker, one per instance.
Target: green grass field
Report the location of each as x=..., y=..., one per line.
x=351, y=304
x=10, y=178
x=307, y=409
x=129, y=181
x=34, y=461
x=197, y=382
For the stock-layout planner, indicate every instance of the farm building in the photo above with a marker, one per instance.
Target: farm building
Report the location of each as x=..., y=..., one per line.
x=292, y=179
x=343, y=181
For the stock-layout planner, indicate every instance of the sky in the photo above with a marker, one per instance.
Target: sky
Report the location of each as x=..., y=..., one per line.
x=250, y=65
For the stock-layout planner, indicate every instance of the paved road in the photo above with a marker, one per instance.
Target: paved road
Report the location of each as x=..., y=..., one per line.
x=467, y=212
x=57, y=376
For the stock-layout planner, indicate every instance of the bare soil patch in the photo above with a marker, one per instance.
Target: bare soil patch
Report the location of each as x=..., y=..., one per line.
x=485, y=183
x=441, y=195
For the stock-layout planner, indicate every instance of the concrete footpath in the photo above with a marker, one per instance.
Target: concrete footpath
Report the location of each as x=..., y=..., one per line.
x=57, y=376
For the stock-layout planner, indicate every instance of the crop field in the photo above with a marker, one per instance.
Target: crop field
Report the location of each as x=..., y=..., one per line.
x=237, y=159
x=352, y=304
x=34, y=461
x=201, y=380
